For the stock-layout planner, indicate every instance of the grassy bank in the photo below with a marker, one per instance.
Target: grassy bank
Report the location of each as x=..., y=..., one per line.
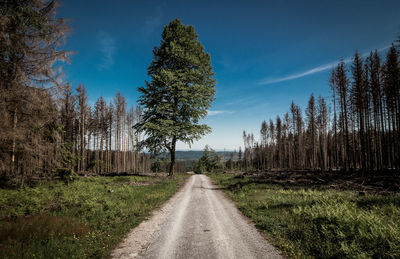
x=86, y=218
x=305, y=222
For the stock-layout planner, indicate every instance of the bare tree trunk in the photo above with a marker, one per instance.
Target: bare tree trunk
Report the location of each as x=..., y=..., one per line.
x=15, y=120
x=101, y=149
x=97, y=150
x=83, y=143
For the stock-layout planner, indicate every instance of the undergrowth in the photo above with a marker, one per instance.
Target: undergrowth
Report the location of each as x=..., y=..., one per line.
x=85, y=218
x=319, y=223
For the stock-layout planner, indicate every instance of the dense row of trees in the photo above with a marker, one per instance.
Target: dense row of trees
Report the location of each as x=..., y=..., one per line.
x=44, y=125
x=358, y=130
x=101, y=138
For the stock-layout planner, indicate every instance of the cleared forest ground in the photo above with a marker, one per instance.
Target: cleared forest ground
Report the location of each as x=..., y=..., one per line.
x=316, y=215
x=384, y=182
x=85, y=218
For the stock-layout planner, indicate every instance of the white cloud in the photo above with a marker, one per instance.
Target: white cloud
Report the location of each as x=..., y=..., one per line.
x=313, y=70
x=217, y=112
x=107, y=50
x=153, y=22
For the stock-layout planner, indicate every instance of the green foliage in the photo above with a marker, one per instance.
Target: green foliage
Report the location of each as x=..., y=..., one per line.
x=156, y=166
x=209, y=162
x=229, y=164
x=66, y=174
x=160, y=163
x=67, y=156
x=86, y=218
x=321, y=224
x=181, y=90
x=91, y=165
x=198, y=167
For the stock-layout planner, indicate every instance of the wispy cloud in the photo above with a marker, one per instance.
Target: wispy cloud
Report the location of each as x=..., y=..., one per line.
x=107, y=50
x=317, y=69
x=153, y=22
x=229, y=63
x=217, y=112
x=241, y=101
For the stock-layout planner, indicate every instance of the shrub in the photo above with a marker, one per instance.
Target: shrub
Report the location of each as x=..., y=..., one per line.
x=156, y=166
x=66, y=174
x=198, y=168
x=209, y=162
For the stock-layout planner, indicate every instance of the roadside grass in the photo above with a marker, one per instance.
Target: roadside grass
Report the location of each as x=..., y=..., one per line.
x=86, y=218
x=305, y=222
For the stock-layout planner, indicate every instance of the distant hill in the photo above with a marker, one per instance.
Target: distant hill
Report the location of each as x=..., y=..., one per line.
x=195, y=155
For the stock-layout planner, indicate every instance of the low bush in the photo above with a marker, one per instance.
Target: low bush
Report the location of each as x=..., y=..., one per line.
x=66, y=174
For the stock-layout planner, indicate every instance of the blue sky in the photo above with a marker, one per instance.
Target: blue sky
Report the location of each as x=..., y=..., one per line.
x=264, y=53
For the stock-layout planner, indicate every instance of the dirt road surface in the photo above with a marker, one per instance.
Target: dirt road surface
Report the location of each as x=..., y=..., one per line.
x=197, y=222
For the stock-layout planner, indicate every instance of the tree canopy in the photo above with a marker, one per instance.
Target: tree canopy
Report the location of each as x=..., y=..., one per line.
x=180, y=91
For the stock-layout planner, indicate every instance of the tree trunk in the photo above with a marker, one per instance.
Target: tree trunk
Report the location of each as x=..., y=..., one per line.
x=15, y=120
x=172, y=152
x=101, y=149
x=22, y=178
x=83, y=142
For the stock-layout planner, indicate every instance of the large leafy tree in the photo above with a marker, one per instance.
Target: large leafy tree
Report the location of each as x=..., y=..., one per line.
x=180, y=91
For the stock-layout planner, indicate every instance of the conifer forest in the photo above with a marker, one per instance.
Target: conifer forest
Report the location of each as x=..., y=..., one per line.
x=48, y=128
x=357, y=129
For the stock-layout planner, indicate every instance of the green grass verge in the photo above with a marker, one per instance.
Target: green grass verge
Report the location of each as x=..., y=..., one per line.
x=305, y=222
x=86, y=218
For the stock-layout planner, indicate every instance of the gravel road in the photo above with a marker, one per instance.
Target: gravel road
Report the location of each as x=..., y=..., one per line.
x=197, y=222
